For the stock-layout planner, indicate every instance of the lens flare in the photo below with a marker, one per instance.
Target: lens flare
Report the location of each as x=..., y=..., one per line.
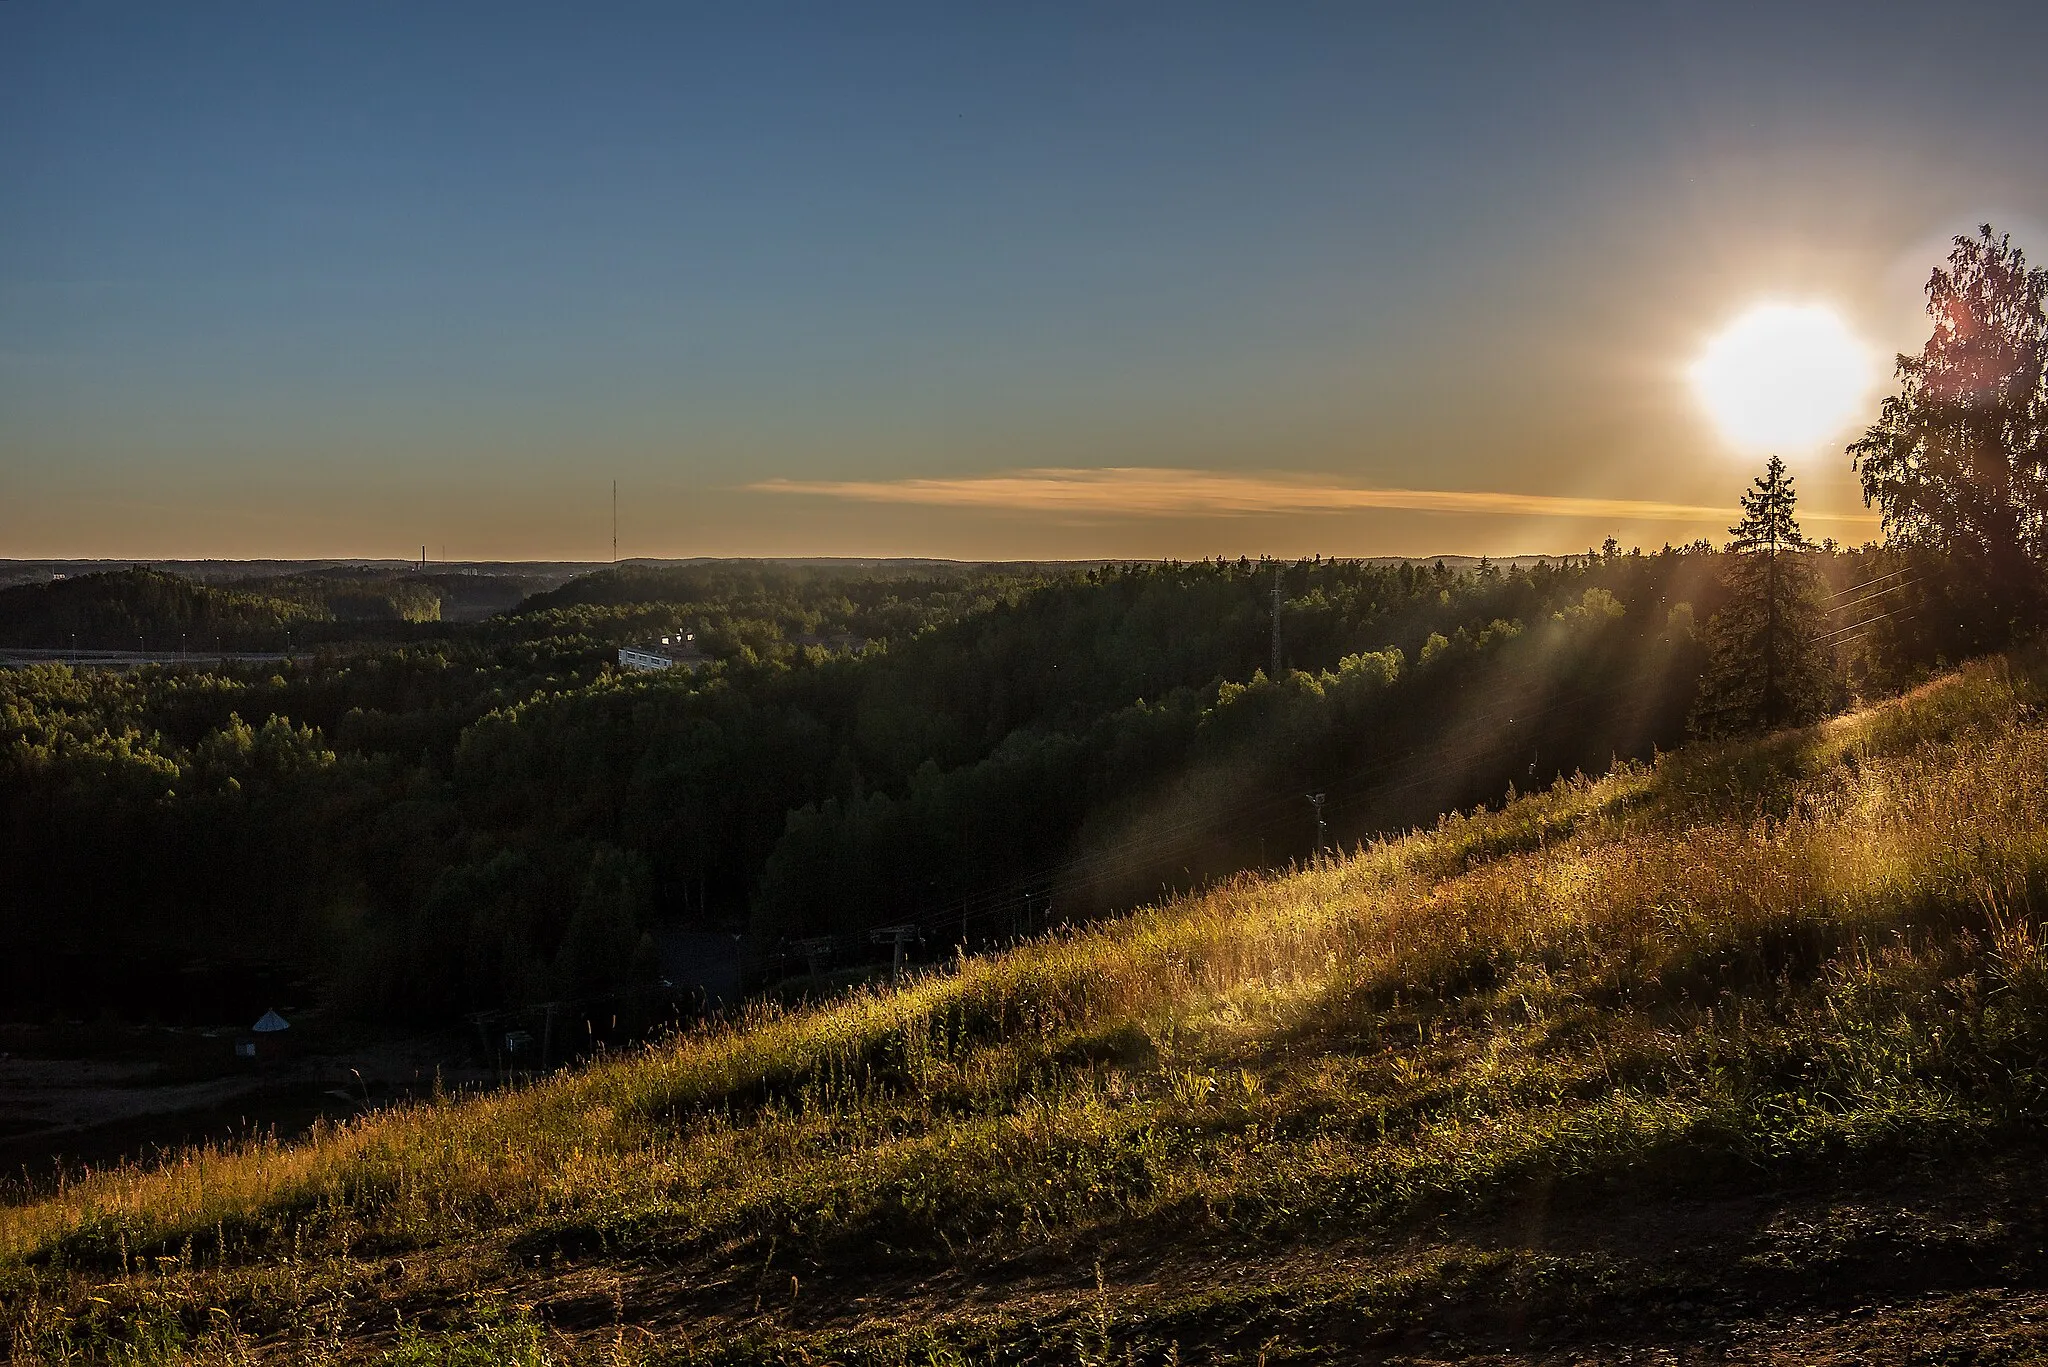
x=1784, y=378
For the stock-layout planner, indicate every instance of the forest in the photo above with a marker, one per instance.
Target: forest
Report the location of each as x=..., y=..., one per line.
x=413, y=820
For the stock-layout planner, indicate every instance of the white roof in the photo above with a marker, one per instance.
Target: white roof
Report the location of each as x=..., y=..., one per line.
x=271, y=1023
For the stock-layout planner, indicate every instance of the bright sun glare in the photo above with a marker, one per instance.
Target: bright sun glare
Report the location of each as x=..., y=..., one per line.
x=1783, y=377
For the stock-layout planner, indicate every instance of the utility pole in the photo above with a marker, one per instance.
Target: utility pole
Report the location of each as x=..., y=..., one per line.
x=899, y=937
x=1322, y=827
x=1274, y=673
x=816, y=951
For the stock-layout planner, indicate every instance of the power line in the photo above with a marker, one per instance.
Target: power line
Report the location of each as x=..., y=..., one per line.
x=1875, y=579
x=1868, y=598
x=1832, y=636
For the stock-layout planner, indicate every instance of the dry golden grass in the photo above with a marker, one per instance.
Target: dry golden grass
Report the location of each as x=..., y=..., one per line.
x=1811, y=946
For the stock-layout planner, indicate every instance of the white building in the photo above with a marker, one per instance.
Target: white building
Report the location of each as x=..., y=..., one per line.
x=670, y=652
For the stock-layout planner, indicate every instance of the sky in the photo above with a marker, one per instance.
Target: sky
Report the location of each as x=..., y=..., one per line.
x=970, y=281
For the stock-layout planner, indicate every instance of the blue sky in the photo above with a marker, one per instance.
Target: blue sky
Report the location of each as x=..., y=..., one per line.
x=349, y=279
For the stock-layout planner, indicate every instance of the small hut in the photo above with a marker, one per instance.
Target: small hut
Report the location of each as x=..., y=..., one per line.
x=265, y=1038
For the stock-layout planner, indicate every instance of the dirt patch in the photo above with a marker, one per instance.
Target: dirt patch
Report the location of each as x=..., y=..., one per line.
x=1899, y=1265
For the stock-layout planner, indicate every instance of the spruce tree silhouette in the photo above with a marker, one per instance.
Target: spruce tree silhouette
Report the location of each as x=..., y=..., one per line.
x=1765, y=665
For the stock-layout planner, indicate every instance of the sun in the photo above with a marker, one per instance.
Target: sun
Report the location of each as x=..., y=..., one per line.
x=1784, y=377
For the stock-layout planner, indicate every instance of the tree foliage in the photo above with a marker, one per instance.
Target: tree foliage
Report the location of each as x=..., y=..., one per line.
x=497, y=815
x=1958, y=459
x=155, y=611
x=1766, y=665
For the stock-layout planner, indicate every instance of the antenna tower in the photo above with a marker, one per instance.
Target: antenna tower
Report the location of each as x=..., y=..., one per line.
x=615, y=522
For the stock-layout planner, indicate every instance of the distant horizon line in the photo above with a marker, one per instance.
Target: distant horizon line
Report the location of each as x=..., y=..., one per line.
x=395, y=562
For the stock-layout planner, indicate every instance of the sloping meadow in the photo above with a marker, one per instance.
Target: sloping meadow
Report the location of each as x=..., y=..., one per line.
x=1795, y=951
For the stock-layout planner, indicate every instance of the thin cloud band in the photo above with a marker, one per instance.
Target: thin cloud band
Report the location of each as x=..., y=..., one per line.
x=1139, y=491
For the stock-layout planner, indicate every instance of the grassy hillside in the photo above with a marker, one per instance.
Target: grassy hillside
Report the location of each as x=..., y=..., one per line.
x=1746, y=1046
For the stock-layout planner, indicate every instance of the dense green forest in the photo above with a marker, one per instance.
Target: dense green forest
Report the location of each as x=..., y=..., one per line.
x=151, y=610
x=494, y=814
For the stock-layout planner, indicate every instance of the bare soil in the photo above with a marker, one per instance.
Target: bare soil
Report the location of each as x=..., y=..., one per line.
x=1909, y=1264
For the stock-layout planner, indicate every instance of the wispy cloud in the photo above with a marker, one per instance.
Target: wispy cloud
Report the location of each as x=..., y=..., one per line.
x=1138, y=491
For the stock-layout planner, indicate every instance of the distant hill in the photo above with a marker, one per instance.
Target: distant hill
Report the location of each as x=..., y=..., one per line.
x=700, y=581
x=148, y=609
x=536, y=573
x=842, y=591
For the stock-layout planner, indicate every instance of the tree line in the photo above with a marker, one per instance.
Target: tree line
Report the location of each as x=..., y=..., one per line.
x=489, y=814
x=500, y=815
x=151, y=610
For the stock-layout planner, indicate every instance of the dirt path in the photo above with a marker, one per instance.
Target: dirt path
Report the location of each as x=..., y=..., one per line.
x=147, y=1092
x=53, y=1096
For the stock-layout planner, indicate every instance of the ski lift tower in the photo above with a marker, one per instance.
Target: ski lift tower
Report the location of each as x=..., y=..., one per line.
x=898, y=937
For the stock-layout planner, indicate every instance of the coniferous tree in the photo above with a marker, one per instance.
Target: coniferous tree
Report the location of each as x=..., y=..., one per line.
x=1766, y=666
